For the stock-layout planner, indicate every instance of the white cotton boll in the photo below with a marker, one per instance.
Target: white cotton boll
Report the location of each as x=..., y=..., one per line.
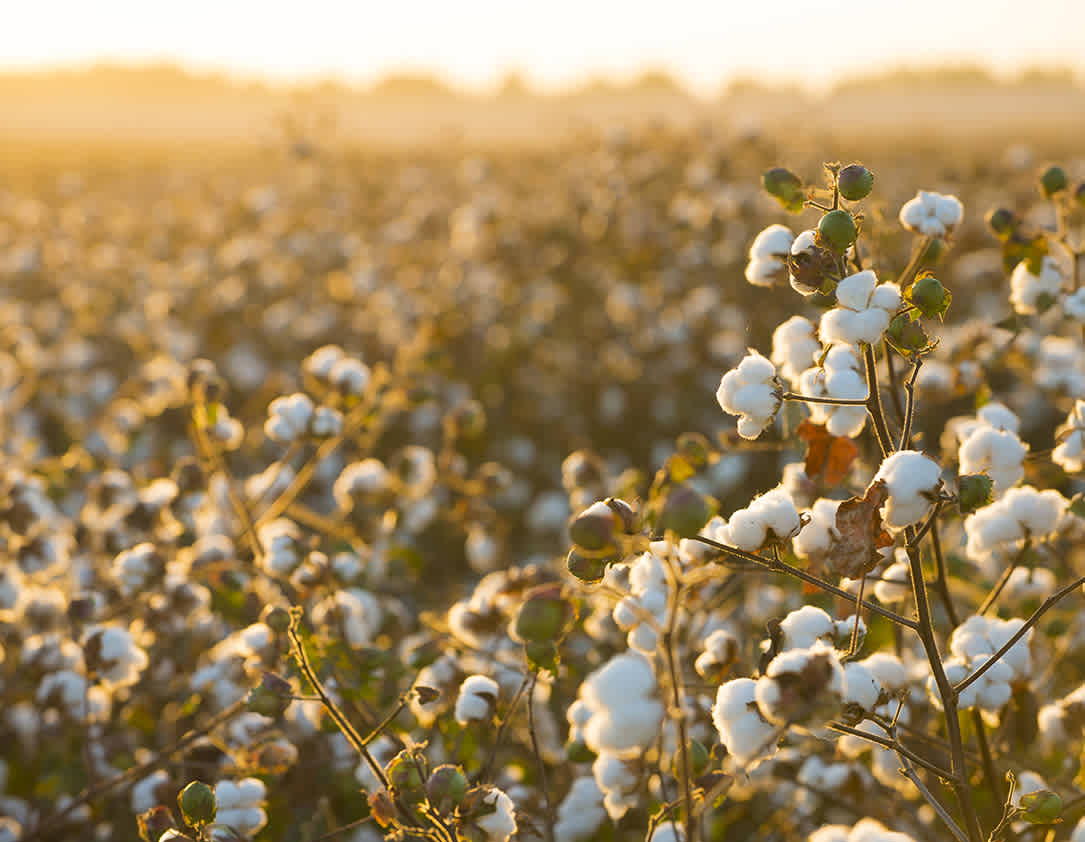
x=1074, y=305
x=477, y=699
x=750, y=391
x=288, y=417
x=367, y=477
x=626, y=711
x=794, y=347
x=998, y=453
x=854, y=291
x=888, y=669
x=744, y=732
x=822, y=682
x=840, y=376
x=1029, y=583
x=803, y=627
x=830, y=833
x=913, y=481
x=617, y=781
x=894, y=584
x=481, y=549
x=319, y=363
x=816, y=537
x=327, y=422
x=765, y=271
x=1079, y=831
x=863, y=310
x=120, y=659
x=643, y=639
x=10, y=829
x=772, y=516
x=500, y=824
x=353, y=612
x=349, y=375
x=1030, y=293
x=1069, y=453
x=931, y=214
x=861, y=686
x=581, y=812
x=146, y=793
x=999, y=416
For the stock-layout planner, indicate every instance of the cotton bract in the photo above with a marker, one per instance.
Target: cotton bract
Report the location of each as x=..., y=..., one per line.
x=931, y=214
x=751, y=392
x=864, y=308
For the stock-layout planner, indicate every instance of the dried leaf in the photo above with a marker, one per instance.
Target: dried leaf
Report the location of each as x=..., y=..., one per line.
x=827, y=456
x=859, y=534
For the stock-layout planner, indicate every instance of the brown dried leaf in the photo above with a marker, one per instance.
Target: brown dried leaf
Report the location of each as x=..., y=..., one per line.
x=859, y=534
x=827, y=456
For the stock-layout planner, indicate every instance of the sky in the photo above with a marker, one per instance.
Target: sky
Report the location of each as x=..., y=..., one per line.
x=555, y=43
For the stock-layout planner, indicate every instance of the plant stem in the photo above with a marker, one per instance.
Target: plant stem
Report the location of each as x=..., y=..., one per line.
x=792, y=396
x=909, y=411
x=538, y=756
x=1021, y=632
x=679, y=713
x=778, y=566
x=942, y=582
x=894, y=386
x=909, y=772
x=874, y=402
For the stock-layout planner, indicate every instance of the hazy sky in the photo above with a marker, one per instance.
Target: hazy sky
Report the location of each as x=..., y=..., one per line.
x=555, y=42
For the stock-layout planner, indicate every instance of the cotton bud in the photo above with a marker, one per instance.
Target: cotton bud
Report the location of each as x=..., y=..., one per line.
x=595, y=529
x=404, y=773
x=197, y=803
x=544, y=615
x=785, y=186
x=837, y=230
x=446, y=787
x=913, y=482
x=973, y=492
x=1002, y=222
x=1040, y=807
x=855, y=182
x=277, y=618
x=929, y=296
x=685, y=511
x=752, y=392
x=1052, y=181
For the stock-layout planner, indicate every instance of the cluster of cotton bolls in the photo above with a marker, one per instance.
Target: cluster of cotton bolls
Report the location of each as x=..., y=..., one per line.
x=999, y=531
x=971, y=645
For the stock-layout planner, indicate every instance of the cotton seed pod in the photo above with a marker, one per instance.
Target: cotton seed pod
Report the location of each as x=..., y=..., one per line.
x=595, y=529
x=785, y=186
x=838, y=230
x=404, y=773
x=154, y=822
x=544, y=615
x=1052, y=181
x=1040, y=807
x=973, y=492
x=930, y=296
x=585, y=568
x=446, y=787
x=1002, y=222
x=906, y=334
x=855, y=182
x=699, y=758
x=936, y=247
x=685, y=511
x=197, y=803
x=271, y=697
x=277, y=618
x=629, y=520
x=694, y=448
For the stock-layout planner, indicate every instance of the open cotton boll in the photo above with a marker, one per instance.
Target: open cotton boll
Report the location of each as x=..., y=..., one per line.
x=983, y=636
x=801, y=687
x=803, y=627
x=768, y=255
x=581, y=812
x=895, y=584
x=865, y=830
x=816, y=537
x=931, y=214
x=499, y=825
x=1029, y=583
x=1001, y=528
x=477, y=699
x=752, y=392
x=744, y=732
x=861, y=686
x=1074, y=305
x=998, y=453
x=626, y=711
x=839, y=376
x=1069, y=453
x=1031, y=294
x=794, y=347
x=770, y=517
x=864, y=308
x=668, y=832
x=618, y=781
x=289, y=417
x=240, y=808
x=913, y=481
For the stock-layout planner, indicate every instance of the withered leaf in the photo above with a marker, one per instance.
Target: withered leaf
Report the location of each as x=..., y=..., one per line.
x=827, y=456
x=853, y=551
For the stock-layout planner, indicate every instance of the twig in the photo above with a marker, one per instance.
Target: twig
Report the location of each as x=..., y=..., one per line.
x=909, y=772
x=538, y=756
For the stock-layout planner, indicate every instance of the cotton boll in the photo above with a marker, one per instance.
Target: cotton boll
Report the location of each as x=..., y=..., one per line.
x=998, y=453
x=752, y=392
x=668, y=832
x=1000, y=529
x=1030, y=294
x=816, y=537
x=894, y=584
x=772, y=517
x=581, y=812
x=289, y=417
x=840, y=376
x=794, y=347
x=1028, y=584
x=1069, y=453
x=801, y=687
x=744, y=732
x=861, y=687
x=499, y=825
x=913, y=481
x=477, y=699
x=863, y=310
x=931, y=214
x=626, y=711
x=767, y=256
x=802, y=628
